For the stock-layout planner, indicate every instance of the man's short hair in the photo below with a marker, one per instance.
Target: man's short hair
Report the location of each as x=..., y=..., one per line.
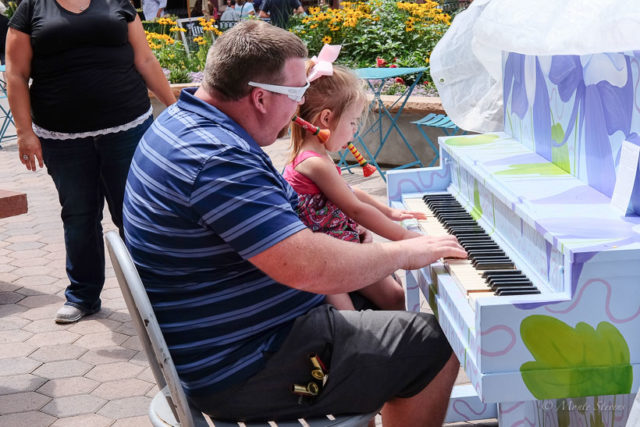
x=250, y=51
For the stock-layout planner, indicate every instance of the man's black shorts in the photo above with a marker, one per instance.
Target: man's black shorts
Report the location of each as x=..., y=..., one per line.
x=371, y=357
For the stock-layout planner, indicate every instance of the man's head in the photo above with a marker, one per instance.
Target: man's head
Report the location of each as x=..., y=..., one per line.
x=251, y=51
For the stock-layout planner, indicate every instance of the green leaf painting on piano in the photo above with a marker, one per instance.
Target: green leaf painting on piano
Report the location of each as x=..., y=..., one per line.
x=468, y=141
x=543, y=169
x=560, y=153
x=580, y=361
x=476, y=212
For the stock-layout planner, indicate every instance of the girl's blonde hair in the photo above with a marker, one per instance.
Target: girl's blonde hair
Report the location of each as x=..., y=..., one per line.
x=336, y=93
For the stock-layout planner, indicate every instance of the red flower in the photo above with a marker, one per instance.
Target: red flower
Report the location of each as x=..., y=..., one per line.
x=393, y=66
x=380, y=62
x=399, y=80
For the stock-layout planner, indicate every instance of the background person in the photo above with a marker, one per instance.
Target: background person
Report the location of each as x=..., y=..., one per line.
x=244, y=9
x=153, y=9
x=279, y=11
x=236, y=279
x=229, y=18
x=83, y=116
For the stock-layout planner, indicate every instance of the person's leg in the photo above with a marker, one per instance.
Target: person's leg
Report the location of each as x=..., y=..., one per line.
x=115, y=152
x=427, y=408
x=340, y=301
x=386, y=293
x=73, y=166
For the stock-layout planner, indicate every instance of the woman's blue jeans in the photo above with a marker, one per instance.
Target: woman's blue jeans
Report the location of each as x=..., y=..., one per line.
x=86, y=171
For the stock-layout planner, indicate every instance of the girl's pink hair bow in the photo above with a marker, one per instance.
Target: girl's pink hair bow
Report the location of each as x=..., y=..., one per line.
x=323, y=62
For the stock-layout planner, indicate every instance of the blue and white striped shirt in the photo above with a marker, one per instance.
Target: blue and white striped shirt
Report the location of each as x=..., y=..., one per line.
x=202, y=197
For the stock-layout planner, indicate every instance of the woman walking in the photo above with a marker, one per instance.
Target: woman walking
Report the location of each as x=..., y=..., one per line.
x=82, y=116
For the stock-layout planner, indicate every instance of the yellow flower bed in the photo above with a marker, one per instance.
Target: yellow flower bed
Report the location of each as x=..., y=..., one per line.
x=402, y=32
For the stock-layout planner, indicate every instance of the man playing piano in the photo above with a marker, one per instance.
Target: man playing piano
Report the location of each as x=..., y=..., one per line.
x=236, y=280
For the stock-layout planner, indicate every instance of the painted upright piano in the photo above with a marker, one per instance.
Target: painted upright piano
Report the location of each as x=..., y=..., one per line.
x=545, y=318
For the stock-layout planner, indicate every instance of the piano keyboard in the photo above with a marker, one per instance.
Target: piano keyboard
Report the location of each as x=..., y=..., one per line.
x=488, y=270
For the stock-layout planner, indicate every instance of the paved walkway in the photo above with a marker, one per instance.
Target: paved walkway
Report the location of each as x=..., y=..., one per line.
x=92, y=373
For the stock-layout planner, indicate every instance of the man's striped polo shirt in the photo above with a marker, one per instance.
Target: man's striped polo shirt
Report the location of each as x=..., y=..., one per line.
x=202, y=197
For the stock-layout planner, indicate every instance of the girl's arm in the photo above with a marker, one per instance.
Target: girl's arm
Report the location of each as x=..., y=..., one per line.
x=17, y=74
x=147, y=64
x=322, y=171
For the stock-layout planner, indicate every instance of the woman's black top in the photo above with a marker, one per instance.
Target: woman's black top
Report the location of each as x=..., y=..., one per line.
x=84, y=78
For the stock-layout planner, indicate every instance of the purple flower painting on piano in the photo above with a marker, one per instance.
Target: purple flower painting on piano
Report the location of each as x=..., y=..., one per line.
x=574, y=110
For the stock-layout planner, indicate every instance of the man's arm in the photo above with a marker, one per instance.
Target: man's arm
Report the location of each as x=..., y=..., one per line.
x=319, y=263
x=297, y=7
x=264, y=9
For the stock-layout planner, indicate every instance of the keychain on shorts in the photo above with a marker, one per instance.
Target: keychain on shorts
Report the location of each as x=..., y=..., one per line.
x=319, y=376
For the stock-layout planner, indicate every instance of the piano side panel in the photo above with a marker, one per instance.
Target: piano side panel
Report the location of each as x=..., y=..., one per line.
x=595, y=332
x=419, y=180
x=492, y=350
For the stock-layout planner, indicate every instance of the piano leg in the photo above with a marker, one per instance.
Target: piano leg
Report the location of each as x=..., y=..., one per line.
x=464, y=405
x=411, y=293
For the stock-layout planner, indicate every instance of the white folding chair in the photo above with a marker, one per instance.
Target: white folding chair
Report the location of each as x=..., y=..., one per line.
x=170, y=406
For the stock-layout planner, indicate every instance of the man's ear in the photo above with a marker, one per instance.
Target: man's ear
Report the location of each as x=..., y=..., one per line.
x=325, y=117
x=258, y=99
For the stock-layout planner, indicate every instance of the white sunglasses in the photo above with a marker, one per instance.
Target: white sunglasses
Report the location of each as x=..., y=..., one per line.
x=294, y=93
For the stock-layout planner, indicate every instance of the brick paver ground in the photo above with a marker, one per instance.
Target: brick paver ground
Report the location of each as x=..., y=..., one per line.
x=92, y=373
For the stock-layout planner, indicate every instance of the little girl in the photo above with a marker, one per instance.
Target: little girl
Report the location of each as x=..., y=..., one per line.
x=335, y=100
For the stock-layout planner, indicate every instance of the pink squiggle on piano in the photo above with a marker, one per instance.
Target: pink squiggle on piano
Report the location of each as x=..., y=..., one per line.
x=464, y=413
x=423, y=186
x=523, y=421
x=511, y=408
x=493, y=329
x=607, y=304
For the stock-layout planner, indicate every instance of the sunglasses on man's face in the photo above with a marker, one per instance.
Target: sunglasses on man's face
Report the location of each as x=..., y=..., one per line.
x=294, y=93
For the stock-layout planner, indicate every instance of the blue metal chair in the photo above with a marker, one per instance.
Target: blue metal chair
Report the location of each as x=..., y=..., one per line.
x=438, y=121
x=375, y=78
x=5, y=112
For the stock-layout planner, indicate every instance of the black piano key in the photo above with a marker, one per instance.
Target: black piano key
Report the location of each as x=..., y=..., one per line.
x=489, y=273
x=443, y=217
x=527, y=291
x=480, y=246
x=492, y=265
x=510, y=284
x=506, y=278
x=480, y=253
x=438, y=196
x=466, y=230
x=492, y=258
x=461, y=222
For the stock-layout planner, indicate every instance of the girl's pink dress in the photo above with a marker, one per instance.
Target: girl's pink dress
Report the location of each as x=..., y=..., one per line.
x=314, y=209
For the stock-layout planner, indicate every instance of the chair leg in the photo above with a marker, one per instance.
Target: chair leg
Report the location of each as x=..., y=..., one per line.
x=436, y=152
